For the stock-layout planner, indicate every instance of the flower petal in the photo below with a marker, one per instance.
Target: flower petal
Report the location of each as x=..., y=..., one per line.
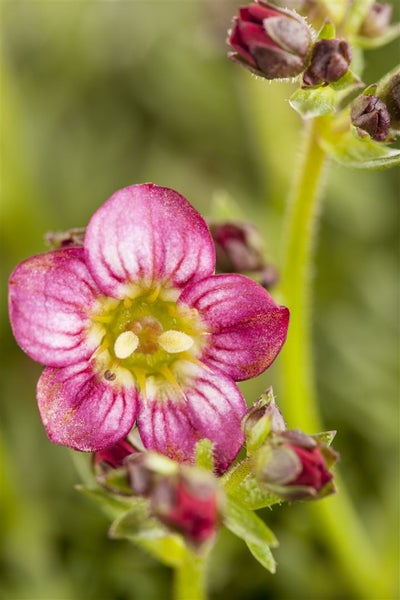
x=247, y=328
x=147, y=233
x=83, y=412
x=50, y=295
x=212, y=408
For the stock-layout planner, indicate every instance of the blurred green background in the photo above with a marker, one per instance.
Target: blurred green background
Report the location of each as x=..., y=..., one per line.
x=100, y=95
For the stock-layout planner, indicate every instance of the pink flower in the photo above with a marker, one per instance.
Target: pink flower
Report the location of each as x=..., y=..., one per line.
x=135, y=326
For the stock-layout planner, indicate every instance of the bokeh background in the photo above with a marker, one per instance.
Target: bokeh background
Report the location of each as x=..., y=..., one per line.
x=99, y=95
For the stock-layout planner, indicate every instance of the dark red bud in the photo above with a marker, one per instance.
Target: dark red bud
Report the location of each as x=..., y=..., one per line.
x=371, y=117
x=389, y=92
x=329, y=62
x=377, y=20
x=270, y=41
x=113, y=456
x=238, y=247
x=189, y=505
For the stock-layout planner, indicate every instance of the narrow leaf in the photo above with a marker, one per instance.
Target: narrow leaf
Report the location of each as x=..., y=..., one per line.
x=254, y=496
x=357, y=153
x=247, y=525
x=113, y=505
x=264, y=555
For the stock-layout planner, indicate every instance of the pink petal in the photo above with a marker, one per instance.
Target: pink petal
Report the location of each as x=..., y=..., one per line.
x=247, y=328
x=212, y=408
x=82, y=411
x=147, y=233
x=50, y=295
x=254, y=36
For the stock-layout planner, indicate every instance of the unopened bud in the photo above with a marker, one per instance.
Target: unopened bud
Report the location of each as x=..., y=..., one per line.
x=189, y=504
x=65, y=239
x=112, y=457
x=263, y=418
x=377, y=20
x=371, y=117
x=238, y=247
x=330, y=60
x=295, y=466
x=389, y=92
x=270, y=41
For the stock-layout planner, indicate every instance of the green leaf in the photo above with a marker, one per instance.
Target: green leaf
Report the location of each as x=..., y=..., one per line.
x=358, y=153
x=170, y=549
x=137, y=522
x=327, y=31
x=253, y=496
x=247, y=525
x=325, y=436
x=116, y=479
x=149, y=534
x=314, y=102
x=113, y=505
x=264, y=555
x=204, y=454
x=348, y=81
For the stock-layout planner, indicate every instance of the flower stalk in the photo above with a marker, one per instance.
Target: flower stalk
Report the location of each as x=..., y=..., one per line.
x=301, y=409
x=337, y=516
x=190, y=578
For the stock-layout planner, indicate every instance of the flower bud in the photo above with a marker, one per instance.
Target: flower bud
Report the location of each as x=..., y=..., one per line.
x=329, y=62
x=389, y=91
x=184, y=498
x=295, y=466
x=188, y=504
x=112, y=457
x=65, y=239
x=238, y=247
x=371, y=117
x=270, y=41
x=377, y=20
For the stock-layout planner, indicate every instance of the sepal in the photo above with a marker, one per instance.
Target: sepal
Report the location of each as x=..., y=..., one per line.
x=351, y=151
x=246, y=525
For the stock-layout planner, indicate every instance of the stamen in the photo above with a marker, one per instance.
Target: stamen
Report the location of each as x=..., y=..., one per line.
x=174, y=342
x=125, y=344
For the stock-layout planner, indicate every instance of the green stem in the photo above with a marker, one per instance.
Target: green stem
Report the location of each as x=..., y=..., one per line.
x=336, y=516
x=190, y=580
x=301, y=408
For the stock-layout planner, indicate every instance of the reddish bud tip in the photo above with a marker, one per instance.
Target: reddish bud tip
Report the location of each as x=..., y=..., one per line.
x=330, y=60
x=270, y=41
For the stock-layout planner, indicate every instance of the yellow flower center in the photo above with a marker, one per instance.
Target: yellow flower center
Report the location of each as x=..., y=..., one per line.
x=146, y=338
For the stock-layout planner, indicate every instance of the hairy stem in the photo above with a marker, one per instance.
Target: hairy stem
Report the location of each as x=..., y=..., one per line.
x=301, y=409
x=189, y=578
x=336, y=517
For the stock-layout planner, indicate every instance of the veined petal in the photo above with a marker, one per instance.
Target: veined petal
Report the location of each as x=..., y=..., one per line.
x=147, y=233
x=212, y=408
x=49, y=298
x=82, y=411
x=247, y=328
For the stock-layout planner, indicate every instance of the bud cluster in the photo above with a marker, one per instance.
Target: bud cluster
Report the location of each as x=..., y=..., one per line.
x=288, y=463
x=278, y=43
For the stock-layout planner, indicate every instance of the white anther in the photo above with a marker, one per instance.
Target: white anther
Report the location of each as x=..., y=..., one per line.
x=126, y=344
x=175, y=341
